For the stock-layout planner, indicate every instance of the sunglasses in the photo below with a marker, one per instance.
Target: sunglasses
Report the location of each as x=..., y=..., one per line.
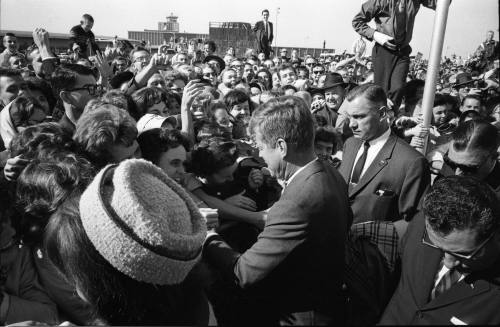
x=466, y=169
x=426, y=241
x=318, y=72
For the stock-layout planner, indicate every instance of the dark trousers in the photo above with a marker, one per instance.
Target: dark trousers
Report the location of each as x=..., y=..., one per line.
x=390, y=71
x=263, y=46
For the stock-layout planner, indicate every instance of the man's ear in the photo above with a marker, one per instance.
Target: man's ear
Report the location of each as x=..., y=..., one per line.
x=66, y=96
x=383, y=111
x=282, y=147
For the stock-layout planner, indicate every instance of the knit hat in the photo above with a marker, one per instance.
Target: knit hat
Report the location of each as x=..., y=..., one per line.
x=142, y=222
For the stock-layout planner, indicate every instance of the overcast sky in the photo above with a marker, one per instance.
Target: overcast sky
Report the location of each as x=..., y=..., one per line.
x=304, y=23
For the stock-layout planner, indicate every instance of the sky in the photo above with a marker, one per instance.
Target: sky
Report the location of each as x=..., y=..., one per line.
x=304, y=23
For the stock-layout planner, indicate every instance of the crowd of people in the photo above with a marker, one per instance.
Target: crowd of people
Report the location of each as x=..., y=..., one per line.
x=202, y=188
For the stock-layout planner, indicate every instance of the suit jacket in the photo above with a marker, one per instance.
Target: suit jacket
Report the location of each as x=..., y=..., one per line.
x=398, y=170
x=297, y=263
x=260, y=31
x=474, y=300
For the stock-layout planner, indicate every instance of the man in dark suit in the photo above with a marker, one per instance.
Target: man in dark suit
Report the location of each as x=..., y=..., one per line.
x=451, y=259
x=386, y=177
x=294, y=272
x=264, y=33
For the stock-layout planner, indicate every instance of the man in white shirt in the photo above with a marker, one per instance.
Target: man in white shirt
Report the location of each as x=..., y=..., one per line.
x=386, y=177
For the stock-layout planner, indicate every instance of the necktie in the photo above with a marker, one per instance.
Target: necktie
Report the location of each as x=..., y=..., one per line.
x=265, y=24
x=451, y=277
x=358, y=168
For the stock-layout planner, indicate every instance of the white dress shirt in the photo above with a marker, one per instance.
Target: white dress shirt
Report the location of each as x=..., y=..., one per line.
x=375, y=147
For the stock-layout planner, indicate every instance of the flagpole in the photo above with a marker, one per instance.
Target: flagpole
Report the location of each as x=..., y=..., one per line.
x=438, y=34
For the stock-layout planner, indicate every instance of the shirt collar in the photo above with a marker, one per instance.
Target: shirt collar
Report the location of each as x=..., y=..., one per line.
x=382, y=138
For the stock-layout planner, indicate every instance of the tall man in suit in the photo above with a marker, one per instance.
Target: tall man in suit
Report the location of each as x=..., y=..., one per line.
x=294, y=272
x=264, y=33
x=386, y=176
x=451, y=259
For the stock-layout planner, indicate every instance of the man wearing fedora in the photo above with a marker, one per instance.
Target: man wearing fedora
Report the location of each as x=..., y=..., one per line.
x=293, y=274
x=334, y=91
x=264, y=32
x=393, y=32
x=386, y=176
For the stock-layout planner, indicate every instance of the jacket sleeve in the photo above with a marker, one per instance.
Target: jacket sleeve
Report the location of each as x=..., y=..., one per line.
x=31, y=303
x=281, y=235
x=73, y=35
x=369, y=10
x=415, y=184
x=256, y=27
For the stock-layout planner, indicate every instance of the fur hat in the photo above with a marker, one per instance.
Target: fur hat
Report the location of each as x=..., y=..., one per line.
x=142, y=222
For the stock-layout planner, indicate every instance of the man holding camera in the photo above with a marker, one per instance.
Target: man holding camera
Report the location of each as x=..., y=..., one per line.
x=81, y=36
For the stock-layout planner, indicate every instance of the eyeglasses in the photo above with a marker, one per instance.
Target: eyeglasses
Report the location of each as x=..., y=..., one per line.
x=426, y=241
x=309, y=64
x=92, y=89
x=466, y=169
x=318, y=71
x=142, y=59
x=238, y=66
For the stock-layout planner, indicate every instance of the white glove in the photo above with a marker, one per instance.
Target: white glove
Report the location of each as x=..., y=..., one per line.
x=384, y=40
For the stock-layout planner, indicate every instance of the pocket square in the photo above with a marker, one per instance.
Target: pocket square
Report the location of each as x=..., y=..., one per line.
x=457, y=322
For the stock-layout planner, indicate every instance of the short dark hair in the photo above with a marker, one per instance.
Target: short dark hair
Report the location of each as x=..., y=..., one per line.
x=461, y=203
x=88, y=17
x=156, y=141
x=64, y=76
x=263, y=11
x=211, y=45
x=41, y=141
x=235, y=97
x=476, y=134
x=328, y=134
x=286, y=117
x=370, y=91
x=212, y=155
x=10, y=34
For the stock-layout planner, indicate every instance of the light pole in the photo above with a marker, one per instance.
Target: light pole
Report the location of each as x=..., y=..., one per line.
x=276, y=33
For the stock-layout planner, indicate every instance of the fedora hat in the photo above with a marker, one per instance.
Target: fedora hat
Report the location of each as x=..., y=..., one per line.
x=332, y=80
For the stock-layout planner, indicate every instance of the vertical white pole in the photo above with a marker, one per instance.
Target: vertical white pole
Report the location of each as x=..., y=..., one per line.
x=438, y=33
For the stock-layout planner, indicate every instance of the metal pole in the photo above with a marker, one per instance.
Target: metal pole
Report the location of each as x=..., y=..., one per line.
x=276, y=33
x=440, y=19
